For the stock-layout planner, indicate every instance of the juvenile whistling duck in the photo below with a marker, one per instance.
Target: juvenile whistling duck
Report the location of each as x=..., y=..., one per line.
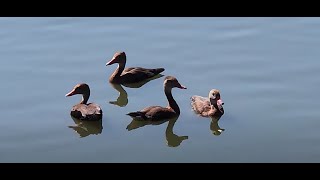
x=208, y=106
x=124, y=75
x=158, y=112
x=83, y=110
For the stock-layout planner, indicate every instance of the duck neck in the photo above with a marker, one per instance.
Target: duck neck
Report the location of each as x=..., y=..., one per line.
x=217, y=109
x=172, y=103
x=119, y=70
x=85, y=97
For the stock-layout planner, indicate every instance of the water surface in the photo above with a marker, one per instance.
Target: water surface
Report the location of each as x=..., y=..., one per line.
x=267, y=70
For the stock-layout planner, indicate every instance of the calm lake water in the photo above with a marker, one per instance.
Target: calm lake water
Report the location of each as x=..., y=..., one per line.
x=267, y=70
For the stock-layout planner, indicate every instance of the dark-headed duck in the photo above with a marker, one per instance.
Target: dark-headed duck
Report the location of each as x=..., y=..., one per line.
x=124, y=75
x=84, y=110
x=158, y=112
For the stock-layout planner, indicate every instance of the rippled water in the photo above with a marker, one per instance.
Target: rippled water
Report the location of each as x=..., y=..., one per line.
x=267, y=70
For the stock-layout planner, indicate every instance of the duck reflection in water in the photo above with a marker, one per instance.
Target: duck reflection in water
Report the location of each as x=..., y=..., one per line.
x=173, y=140
x=122, y=99
x=214, y=125
x=86, y=128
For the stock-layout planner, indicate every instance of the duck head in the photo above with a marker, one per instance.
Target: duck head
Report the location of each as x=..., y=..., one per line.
x=215, y=100
x=118, y=57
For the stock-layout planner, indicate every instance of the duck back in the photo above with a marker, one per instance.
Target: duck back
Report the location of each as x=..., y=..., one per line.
x=200, y=104
x=89, y=112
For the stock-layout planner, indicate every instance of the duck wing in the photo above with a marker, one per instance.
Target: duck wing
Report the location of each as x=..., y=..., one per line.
x=136, y=74
x=200, y=105
x=89, y=111
x=153, y=113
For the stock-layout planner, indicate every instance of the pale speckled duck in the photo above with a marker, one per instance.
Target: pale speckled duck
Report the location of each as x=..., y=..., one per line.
x=83, y=110
x=124, y=75
x=208, y=106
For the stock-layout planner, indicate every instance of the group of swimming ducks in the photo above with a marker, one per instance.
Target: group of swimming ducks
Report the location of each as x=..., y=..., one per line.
x=211, y=106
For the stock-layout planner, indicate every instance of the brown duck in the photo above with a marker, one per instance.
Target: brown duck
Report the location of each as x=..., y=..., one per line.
x=208, y=106
x=158, y=112
x=83, y=110
x=124, y=75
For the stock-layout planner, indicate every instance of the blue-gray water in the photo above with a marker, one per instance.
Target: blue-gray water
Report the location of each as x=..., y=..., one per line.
x=267, y=70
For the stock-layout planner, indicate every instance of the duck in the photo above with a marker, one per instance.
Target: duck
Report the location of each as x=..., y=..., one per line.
x=208, y=106
x=159, y=112
x=130, y=75
x=84, y=110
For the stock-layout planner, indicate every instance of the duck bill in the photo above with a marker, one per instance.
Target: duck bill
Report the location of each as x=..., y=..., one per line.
x=112, y=61
x=220, y=103
x=182, y=87
x=71, y=93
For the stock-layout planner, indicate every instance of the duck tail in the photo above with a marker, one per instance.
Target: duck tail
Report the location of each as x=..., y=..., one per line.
x=136, y=114
x=158, y=70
